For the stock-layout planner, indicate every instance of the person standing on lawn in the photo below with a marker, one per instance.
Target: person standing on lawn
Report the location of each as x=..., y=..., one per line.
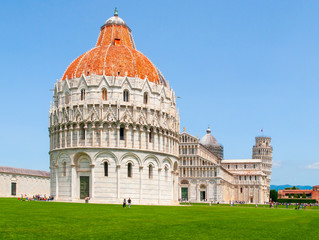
x=124, y=203
x=129, y=202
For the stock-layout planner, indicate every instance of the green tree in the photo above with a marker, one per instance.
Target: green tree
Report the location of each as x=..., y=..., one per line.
x=289, y=195
x=273, y=195
x=304, y=195
x=298, y=195
x=295, y=195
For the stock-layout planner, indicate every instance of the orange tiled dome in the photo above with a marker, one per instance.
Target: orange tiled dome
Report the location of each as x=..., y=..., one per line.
x=114, y=54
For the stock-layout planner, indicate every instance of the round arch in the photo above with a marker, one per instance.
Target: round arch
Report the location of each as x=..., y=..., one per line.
x=153, y=157
x=133, y=155
x=97, y=155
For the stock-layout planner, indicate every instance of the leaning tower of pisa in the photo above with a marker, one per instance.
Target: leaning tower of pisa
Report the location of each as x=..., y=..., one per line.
x=263, y=151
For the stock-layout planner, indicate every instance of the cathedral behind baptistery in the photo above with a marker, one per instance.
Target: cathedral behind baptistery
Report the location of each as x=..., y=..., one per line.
x=205, y=176
x=115, y=133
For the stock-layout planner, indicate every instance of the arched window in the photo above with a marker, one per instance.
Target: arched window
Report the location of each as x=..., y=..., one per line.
x=64, y=169
x=145, y=98
x=82, y=94
x=104, y=94
x=129, y=169
x=67, y=98
x=126, y=96
x=150, y=172
x=106, y=169
x=184, y=162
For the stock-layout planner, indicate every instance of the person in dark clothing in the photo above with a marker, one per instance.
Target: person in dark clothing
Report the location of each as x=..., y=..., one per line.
x=129, y=202
x=124, y=203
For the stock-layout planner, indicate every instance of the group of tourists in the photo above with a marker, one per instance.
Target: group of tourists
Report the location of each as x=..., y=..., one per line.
x=129, y=201
x=296, y=205
x=37, y=197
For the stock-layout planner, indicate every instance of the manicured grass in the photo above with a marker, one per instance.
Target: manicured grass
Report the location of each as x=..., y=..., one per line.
x=51, y=220
x=253, y=205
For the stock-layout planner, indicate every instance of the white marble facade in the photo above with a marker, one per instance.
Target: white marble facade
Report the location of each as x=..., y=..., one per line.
x=15, y=182
x=205, y=177
x=86, y=133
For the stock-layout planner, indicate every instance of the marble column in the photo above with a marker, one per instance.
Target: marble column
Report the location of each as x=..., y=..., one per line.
x=118, y=136
x=56, y=182
x=133, y=136
x=141, y=180
x=126, y=135
x=60, y=137
x=101, y=134
x=92, y=181
x=109, y=127
x=118, y=167
x=73, y=182
x=71, y=135
x=85, y=134
x=77, y=135
x=159, y=185
x=93, y=134
x=65, y=136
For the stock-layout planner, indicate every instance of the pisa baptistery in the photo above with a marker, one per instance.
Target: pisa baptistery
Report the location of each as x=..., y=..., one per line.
x=114, y=126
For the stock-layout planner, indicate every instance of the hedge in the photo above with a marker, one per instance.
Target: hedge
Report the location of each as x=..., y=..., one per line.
x=296, y=200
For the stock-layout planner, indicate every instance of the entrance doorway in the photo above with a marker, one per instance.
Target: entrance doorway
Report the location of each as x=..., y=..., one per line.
x=185, y=194
x=202, y=195
x=251, y=199
x=84, y=187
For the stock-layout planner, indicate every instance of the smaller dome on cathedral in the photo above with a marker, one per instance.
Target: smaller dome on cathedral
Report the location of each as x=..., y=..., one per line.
x=209, y=140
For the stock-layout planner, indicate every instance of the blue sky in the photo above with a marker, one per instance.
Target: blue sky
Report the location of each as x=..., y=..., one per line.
x=238, y=66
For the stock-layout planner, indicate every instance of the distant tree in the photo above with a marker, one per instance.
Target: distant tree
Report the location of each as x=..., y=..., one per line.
x=294, y=188
x=304, y=195
x=289, y=195
x=288, y=188
x=298, y=195
x=273, y=195
x=295, y=195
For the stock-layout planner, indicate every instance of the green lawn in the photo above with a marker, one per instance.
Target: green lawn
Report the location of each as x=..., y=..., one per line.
x=51, y=220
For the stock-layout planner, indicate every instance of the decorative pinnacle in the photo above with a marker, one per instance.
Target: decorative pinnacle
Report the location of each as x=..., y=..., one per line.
x=115, y=12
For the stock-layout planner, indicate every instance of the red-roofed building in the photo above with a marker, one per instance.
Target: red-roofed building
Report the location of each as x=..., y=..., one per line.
x=310, y=193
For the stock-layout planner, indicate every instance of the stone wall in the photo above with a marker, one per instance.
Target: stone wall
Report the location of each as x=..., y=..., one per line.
x=25, y=184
